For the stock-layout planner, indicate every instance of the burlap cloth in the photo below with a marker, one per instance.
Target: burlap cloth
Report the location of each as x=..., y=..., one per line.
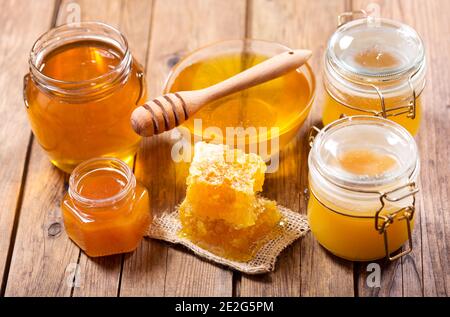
x=167, y=226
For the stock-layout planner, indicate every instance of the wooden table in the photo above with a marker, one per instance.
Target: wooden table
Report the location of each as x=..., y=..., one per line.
x=38, y=259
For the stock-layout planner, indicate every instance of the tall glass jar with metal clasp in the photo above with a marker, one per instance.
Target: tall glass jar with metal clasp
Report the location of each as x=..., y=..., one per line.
x=374, y=66
x=363, y=173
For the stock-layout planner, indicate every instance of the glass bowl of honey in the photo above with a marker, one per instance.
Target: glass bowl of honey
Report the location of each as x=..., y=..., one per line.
x=81, y=89
x=269, y=114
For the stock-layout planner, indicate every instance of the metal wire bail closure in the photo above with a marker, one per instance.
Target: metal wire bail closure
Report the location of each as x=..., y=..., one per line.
x=313, y=131
x=406, y=213
x=26, y=78
x=409, y=109
x=344, y=17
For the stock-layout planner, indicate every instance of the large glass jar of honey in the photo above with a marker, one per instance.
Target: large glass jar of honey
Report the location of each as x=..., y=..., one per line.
x=105, y=211
x=363, y=173
x=269, y=114
x=375, y=66
x=82, y=86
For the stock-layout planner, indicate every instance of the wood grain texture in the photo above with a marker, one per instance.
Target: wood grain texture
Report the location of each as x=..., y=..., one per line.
x=131, y=17
x=424, y=272
x=433, y=24
x=305, y=269
x=15, y=45
x=42, y=259
x=155, y=268
x=99, y=277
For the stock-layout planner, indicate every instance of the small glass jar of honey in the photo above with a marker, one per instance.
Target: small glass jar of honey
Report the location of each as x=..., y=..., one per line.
x=363, y=173
x=375, y=66
x=106, y=211
x=82, y=87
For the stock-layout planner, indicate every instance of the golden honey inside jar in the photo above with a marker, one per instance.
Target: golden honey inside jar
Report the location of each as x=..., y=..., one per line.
x=106, y=211
x=282, y=103
x=82, y=87
x=375, y=67
x=363, y=175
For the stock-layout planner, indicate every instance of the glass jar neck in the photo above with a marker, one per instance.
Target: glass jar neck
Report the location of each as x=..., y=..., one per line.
x=117, y=199
x=77, y=32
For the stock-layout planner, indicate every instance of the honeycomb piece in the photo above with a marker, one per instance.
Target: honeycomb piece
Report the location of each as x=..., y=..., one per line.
x=221, y=212
x=222, y=184
x=223, y=239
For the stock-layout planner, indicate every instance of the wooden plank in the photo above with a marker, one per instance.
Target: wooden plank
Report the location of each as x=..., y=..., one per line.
x=156, y=268
x=426, y=270
x=42, y=252
x=15, y=45
x=101, y=277
x=434, y=205
x=305, y=269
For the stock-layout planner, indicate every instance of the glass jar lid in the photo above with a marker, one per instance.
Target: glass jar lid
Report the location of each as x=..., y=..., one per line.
x=375, y=50
x=364, y=153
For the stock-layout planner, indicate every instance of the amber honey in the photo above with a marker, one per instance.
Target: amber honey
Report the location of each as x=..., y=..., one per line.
x=327, y=224
x=80, y=96
x=362, y=179
x=105, y=210
x=240, y=244
x=366, y=162
x=283, y=103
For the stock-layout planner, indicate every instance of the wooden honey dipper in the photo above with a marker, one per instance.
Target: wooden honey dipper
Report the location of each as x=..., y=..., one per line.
x=168, y=111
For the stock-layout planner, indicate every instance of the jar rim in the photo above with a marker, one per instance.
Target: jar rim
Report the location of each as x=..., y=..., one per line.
x=88, y=29
x=362, y=75
x=96, y=163
x=316, y=161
